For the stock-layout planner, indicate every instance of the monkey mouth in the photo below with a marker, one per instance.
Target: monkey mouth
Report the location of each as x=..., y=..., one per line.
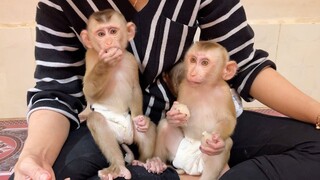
x=194, y=82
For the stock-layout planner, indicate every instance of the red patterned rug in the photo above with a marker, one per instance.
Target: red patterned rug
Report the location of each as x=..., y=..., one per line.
x=13, y=133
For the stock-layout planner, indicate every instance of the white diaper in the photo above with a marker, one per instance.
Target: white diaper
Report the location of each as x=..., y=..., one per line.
x=189, y=157
x=237, y=102
x=120, y=124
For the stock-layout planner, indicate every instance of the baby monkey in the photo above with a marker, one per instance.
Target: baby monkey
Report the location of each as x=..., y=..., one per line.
x=111, y=86
x=203, y=114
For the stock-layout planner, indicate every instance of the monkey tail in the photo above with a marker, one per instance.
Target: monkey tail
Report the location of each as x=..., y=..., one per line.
x=129, y=156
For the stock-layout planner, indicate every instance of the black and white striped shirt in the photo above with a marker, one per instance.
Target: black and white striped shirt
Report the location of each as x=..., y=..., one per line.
x=165, y=29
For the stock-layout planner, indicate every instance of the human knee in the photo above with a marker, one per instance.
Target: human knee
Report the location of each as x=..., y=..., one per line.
x=244, y=171
x=81, y=168
x=310, y=149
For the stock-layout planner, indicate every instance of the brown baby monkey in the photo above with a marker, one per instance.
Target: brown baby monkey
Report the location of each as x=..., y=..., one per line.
x=111, y=86
x=203, y=114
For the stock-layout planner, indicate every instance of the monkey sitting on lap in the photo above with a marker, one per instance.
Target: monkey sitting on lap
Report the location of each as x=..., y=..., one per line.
x=111, y=86
x=203, y=114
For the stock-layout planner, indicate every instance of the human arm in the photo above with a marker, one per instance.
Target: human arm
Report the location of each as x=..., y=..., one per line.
x=47, y=132
x=60, y=65
x=57, y=98
x=253, y=80
x=226, y=24
x=281, y=95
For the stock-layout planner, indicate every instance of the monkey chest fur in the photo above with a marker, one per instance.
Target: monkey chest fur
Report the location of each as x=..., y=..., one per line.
x=119, y=91
x=208, y=111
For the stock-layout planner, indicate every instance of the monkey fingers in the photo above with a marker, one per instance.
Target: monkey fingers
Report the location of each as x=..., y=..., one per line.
x=141, y=123
x=182, y=108
x=213, y=146
x=111, y=56
x=176, y=118
x=137, y=163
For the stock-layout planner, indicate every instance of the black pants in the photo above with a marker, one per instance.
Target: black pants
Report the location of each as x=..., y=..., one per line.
x=275, y=148
x=80, y=159
x=265, y=147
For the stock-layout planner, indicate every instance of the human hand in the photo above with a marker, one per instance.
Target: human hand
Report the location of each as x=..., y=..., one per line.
x=141, y=123
x=212, y=144
x=33, y=168
x=178, y=114
x=111, y=55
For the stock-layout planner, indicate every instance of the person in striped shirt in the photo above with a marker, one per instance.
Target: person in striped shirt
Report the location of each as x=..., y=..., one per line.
x=60, y=146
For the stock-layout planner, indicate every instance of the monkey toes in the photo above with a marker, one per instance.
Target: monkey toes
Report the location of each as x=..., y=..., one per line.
x=114, y=172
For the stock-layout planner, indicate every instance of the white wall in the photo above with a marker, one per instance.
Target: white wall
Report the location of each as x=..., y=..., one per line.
x=16, y=55
x=288, y=29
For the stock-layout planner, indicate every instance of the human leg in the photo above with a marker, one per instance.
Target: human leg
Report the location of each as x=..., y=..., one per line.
x=268, y=147
x=80, y=159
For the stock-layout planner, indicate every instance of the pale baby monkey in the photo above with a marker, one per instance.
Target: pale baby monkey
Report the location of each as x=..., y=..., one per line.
x=203, y=113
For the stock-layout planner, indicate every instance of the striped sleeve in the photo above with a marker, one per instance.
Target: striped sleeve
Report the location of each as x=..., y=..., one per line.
x=224, y=21
x=59, y=65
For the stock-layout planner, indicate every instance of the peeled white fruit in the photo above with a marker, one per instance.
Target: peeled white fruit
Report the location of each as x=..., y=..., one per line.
x=183, y=109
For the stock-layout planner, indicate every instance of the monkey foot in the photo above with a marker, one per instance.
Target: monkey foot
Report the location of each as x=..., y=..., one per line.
x=153, y=165
x=114, y=172
x=137, y=163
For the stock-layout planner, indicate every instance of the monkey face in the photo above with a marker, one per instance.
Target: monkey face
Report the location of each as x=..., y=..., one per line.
x=203, y=67
x=107, y=30
x=108, y=35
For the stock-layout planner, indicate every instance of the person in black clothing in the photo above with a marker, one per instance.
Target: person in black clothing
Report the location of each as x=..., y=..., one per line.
x=60, y=146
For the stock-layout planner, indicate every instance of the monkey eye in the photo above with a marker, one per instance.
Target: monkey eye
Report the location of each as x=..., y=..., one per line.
x=101, y=34
x=193, y=60
x=205, y=62
x=113, y=31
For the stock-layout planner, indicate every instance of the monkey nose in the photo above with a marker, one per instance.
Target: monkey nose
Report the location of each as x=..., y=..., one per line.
x=108, y=41
x=193, y=72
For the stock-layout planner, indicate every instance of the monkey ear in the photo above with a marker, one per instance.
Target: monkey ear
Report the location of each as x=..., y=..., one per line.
x=131, y=27
x=230, y=70
x=85, y=39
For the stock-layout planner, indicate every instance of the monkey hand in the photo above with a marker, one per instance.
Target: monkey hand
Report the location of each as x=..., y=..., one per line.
x=111, y=56
x=178, y=114
x=212, y=144
x=141, y=123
